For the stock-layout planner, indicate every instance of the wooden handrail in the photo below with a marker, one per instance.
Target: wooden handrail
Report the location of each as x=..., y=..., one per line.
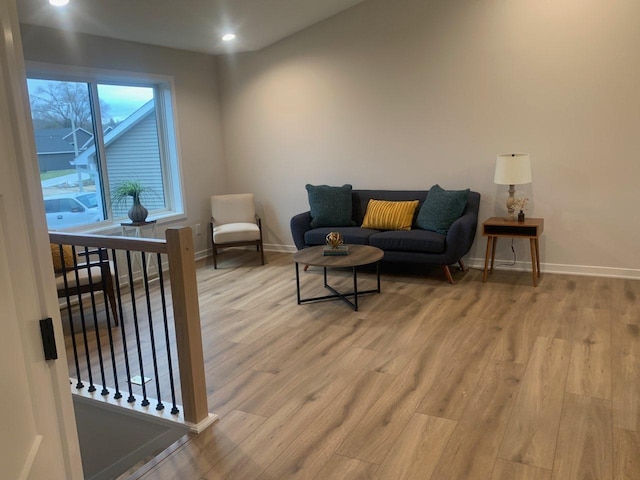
x=149, y=245
x=186, y=316
x=186, y=310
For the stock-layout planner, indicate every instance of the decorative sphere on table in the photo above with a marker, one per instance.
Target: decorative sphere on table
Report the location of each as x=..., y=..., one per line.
x=334, y=239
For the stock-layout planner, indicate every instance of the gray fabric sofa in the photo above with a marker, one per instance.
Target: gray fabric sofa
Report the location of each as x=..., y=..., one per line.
x=414, y=246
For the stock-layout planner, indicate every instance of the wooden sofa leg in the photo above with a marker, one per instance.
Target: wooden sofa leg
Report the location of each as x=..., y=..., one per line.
x=462, y=265
x=306, y=267
x=447, y=273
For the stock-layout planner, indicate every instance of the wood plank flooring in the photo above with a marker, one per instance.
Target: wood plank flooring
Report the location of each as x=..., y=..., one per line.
x=496, y=381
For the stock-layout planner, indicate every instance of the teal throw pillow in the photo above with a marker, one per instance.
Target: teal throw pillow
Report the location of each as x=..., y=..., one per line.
x=441, y=208
x=330, y=206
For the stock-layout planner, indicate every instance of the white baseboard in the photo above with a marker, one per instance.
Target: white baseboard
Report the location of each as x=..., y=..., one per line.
x=273, y=247
x=563, y=269
x=524, y=266
x=202, y=254
x=268, y=247
x=134, y=409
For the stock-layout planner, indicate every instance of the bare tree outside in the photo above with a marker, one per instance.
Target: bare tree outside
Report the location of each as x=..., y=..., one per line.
x=58, y=104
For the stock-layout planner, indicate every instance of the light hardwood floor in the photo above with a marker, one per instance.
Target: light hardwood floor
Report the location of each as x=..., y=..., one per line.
x=496, y=381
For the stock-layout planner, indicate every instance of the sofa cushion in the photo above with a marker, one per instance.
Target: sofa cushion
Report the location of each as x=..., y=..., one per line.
x=330, y=206
x=385, y=215
x=236, y=232
x=441, y=208
x=421, y=241
x=354, y=235
x=361, y=199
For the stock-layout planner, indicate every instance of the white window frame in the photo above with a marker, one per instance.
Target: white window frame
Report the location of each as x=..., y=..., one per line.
x=170, y=158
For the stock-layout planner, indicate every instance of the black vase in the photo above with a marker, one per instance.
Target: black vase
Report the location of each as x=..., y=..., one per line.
x=138, y=213
x=521, y=216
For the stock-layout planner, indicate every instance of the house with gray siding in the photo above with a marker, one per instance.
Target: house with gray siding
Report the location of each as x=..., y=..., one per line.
x=132, y=145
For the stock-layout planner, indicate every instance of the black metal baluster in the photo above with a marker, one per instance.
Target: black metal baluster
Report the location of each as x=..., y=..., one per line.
x=92, y=295
x=145, y=400
x=70, y=314
x=174, y=410
x=131, y=398
x=145, y=277
x=92, y=387
x=105, y=257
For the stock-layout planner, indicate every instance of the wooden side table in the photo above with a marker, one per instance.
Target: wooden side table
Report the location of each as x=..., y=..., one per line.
x=496, y=227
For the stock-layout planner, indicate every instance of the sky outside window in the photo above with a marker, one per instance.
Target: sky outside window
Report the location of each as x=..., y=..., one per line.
x=123, y=101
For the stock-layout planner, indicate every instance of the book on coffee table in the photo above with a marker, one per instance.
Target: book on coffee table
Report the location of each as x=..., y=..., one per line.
x=341, y=250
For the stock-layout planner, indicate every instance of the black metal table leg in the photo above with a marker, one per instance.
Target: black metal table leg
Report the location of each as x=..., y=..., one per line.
x=298, y=282
x=336, y=294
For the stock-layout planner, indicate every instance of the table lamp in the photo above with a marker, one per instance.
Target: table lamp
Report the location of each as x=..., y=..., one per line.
x=512, y=169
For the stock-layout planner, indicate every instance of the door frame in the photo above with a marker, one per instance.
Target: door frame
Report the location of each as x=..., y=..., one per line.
x=49, y=419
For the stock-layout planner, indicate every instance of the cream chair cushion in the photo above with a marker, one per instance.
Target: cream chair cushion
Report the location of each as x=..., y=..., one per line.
x=236, y=232
x=236, y=208
x=83, y=276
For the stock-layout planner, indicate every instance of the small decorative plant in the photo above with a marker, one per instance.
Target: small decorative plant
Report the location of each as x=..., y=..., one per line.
x=133, y=189
x=128, y=188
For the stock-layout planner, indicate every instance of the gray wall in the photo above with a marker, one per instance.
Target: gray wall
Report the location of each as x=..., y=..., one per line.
x=197, y=108
x=409, y=93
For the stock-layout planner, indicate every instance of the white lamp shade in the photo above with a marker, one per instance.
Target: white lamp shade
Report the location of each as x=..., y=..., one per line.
x=513, y=169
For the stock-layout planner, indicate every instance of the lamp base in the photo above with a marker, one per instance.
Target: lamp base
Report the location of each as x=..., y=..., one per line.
x=511, y=200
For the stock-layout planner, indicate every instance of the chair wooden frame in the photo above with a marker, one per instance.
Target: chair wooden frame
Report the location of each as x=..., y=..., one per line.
x=104, y=284
x=216, y=246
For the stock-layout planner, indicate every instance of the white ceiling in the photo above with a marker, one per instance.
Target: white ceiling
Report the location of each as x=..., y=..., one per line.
x=195, y=25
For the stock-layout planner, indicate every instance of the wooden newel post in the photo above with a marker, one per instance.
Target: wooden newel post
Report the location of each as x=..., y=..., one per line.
x=186, y=315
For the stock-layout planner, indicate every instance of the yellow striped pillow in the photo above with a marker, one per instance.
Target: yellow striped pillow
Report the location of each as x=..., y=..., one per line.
x=383, y=215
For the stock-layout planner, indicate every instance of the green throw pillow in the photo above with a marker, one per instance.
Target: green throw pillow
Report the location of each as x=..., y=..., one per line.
x=441, y=208
x=330, y=206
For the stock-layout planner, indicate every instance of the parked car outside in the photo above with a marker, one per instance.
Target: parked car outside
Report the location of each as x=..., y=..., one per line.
x=72, y=209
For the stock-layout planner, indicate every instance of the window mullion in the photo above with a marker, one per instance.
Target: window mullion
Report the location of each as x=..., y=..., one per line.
x=163, y=141
x=94, y=100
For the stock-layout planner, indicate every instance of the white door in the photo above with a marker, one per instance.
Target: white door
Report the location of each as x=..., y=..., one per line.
x=38, y=438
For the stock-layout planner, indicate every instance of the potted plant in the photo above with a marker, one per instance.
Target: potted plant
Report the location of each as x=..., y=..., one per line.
x=133, y=189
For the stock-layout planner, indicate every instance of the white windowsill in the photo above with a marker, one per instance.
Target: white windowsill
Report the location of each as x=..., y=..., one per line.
x=113, y=227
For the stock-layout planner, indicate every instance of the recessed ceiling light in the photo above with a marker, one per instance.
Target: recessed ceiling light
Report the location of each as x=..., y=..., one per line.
x=227, y=37
x=58, y=3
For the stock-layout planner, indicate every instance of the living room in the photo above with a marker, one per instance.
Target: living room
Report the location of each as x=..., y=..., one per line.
x=404, y=95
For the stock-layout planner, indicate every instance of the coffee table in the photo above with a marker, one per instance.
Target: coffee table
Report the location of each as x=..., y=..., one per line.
x=358, y=255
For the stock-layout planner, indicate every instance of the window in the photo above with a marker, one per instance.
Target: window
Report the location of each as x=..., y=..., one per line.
x=94, y=133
